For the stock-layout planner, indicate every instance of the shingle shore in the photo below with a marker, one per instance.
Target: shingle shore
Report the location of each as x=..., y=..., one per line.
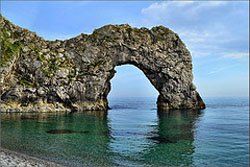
x=13, y=159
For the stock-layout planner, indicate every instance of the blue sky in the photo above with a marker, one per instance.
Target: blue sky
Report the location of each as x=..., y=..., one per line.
x=216, y=33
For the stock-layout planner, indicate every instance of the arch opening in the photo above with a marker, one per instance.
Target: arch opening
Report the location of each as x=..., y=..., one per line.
x=130, y=82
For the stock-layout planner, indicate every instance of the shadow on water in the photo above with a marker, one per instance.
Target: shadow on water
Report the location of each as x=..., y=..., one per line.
x=172, y=138
x=148, y=137
x=175, y=125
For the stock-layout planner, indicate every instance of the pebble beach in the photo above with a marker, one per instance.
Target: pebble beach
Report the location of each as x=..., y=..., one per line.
x=13, y=159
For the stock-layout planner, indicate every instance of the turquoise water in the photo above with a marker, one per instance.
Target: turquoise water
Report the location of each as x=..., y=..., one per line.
x=133, y=133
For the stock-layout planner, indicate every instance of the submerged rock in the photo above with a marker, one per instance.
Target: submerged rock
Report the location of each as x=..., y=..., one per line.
x=37, y=75
x=65, y=131
x=162, y=140
x=60, y=131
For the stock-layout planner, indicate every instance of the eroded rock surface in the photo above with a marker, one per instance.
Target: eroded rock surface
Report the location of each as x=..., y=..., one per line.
x=74, y=74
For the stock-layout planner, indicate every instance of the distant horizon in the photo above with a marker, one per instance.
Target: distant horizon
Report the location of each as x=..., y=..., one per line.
x=157, y=95
x=215, y=32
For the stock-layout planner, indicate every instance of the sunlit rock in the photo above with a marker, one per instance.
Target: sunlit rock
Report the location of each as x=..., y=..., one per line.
x=74, y=75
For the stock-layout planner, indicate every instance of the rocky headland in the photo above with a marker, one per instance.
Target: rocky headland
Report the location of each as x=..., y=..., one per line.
x=37, y=75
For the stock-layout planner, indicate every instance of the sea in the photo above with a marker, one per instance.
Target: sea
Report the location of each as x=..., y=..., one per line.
x=134, y=133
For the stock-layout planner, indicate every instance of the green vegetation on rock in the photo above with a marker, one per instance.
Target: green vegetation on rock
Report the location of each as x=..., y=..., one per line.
x=26, y=82
x=9, y=49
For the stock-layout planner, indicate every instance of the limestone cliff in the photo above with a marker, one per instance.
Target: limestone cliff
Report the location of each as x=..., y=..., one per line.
x=74, y=74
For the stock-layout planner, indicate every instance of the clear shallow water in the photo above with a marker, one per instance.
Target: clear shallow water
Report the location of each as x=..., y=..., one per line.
x=134, y=134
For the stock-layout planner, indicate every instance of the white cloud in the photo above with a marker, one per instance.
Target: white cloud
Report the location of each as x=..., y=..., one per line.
x=201, y=25
x=198, y=37
x=191, y=7
x=237, y=55
x=221, y=69
x=161, y=10
x=205, y=42
x=215, y=3
x=214, y=71
x=162, y=6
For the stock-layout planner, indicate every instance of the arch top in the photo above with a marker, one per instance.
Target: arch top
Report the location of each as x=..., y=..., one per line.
x=75, y=74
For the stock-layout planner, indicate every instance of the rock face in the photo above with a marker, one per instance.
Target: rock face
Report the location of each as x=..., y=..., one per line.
x=74, y=74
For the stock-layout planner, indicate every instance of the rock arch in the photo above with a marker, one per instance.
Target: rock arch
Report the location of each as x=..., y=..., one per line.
x=75, y=74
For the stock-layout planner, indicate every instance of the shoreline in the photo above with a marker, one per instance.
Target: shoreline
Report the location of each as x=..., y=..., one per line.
x=9, y=158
